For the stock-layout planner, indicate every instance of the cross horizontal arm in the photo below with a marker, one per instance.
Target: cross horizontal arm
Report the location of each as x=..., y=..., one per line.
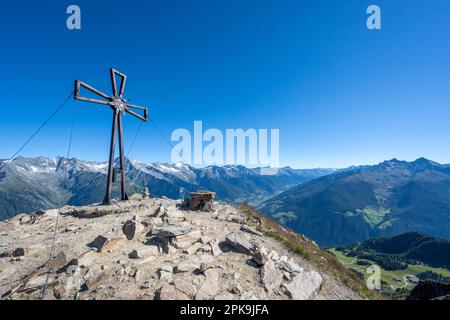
x=143, y=118
x=80, y=84
x=135, y=107
x=92, y=100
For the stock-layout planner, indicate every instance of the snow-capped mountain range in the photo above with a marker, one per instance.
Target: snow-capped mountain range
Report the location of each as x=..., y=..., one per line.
x=29, y=184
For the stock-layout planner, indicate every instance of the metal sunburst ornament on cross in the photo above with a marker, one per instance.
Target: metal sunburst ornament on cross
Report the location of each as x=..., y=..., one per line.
x=119, y=105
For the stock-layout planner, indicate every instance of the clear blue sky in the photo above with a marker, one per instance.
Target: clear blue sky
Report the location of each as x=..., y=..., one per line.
x=339, y=93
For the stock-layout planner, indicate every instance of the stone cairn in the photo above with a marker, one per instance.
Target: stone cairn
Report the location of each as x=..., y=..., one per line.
x=202, y=200
x=145, y=194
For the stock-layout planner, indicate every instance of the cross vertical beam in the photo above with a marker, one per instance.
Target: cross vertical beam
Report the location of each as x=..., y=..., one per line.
x=119, y=105
x=112, y=147
x=122, y=160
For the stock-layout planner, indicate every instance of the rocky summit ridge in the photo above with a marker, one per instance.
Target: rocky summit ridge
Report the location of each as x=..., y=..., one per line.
x=156, y=249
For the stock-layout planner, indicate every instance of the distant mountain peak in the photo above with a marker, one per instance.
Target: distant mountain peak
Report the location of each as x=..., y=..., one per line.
x=418, y=164
x=425, y=161
x=391, y=197
x=393, y=161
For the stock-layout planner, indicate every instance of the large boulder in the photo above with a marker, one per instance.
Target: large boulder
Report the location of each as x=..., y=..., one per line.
x=260, y=258
x=186, y=287
x=165, y=272
x=107, y=243
x=289, y=266
x=304, y=285
x=57, y=262
x=271, y=276
x=165, y=231
x=239, y=243
x=209, y=286
x=167, y=292
x=187, y=266
x=215, y=249
x=180, y=237
x=19, y=252
x=146, y=252
x=74, y=281
x=186, y=240
x=95, y=277
x=132, y=229
x=193, y=249
x=202, y=200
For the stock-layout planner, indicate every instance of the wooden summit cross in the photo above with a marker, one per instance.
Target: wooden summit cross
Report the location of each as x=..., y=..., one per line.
x=119, y=105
